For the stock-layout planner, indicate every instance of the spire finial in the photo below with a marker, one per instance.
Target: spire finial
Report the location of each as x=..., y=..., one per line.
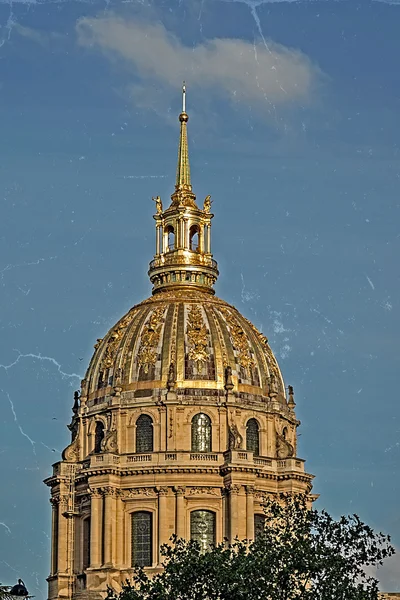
x=183, y=188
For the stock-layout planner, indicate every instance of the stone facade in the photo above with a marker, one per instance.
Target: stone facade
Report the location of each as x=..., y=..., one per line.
x=182, y=425
x=95, y=496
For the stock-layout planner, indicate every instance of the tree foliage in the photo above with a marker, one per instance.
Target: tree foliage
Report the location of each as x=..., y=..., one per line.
x=5, y=592
x=302, y=554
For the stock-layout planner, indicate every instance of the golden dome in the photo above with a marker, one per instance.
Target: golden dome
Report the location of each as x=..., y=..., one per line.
x=185, y=341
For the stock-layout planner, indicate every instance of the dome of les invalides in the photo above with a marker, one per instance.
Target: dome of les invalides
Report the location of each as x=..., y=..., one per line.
x=185, y=340
x=182, y=424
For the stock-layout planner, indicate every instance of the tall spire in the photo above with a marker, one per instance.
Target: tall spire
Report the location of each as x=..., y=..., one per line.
x=183, y=194
x=183, y=256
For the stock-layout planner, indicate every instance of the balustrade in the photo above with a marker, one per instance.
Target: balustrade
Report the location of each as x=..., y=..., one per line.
x=238, y=457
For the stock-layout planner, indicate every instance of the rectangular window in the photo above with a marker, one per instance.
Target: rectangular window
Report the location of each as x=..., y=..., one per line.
x=259, y=524
x=202, y=528
x=142, y=539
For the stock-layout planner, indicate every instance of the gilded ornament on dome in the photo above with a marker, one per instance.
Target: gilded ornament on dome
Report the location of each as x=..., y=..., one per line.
x=271, y=360
x=269, y=355
x=207, y=204
x=159, y=206
x=228, y=379
x=239, y=339
x=147, y=353
x=171, y=376
x=197, y=335
x=114, y=341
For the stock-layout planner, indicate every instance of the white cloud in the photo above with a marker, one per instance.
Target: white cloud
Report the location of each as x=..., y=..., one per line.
x=256, y=74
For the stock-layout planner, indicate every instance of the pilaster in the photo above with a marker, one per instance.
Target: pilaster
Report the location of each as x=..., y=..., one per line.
x=62, y=536
x=180, y=511
x=233, y=490
x=96, y=528
x=249, y=512
x=109, y=526
x=163, y=536
x=120, y=538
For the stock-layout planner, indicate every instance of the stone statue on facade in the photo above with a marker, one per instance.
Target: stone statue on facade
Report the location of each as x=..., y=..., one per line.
x=235, y=439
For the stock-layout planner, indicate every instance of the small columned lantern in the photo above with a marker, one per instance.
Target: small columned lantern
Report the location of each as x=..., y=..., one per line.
x=19, y=590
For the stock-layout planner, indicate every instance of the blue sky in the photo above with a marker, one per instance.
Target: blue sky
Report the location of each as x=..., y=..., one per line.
x=293, y=129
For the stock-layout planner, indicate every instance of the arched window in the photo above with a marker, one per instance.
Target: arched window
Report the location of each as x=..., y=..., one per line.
x=144, y=434
x=201, y=433
x=253, y=437
x=169, y=230
x=259, y=524
x=194, y=238
x=142, y=539
x=86, y=543
x=202, y=528
x=98, y=436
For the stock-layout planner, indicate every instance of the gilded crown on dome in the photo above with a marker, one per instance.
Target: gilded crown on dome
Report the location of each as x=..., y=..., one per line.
x=183, y=230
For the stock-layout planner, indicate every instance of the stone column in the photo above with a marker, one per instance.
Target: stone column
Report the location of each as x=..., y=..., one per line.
x=164, y=241
x=96, y=522
x=163, y=428
x=234, y=490
x=62, y=537
x=178, y=234
x=157, y=239
x=201, y=239
x=54, y=535
x=249, y=512
x=123, y=431
x=84, y=438
x=162, y=519
x=180, y=511
x=109, y=526
x=120, y=540
x=225, y=513
x=186, y=232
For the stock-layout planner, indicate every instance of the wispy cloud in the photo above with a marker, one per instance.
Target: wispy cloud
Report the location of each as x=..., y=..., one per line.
x=263, y=74
x=44, y=38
